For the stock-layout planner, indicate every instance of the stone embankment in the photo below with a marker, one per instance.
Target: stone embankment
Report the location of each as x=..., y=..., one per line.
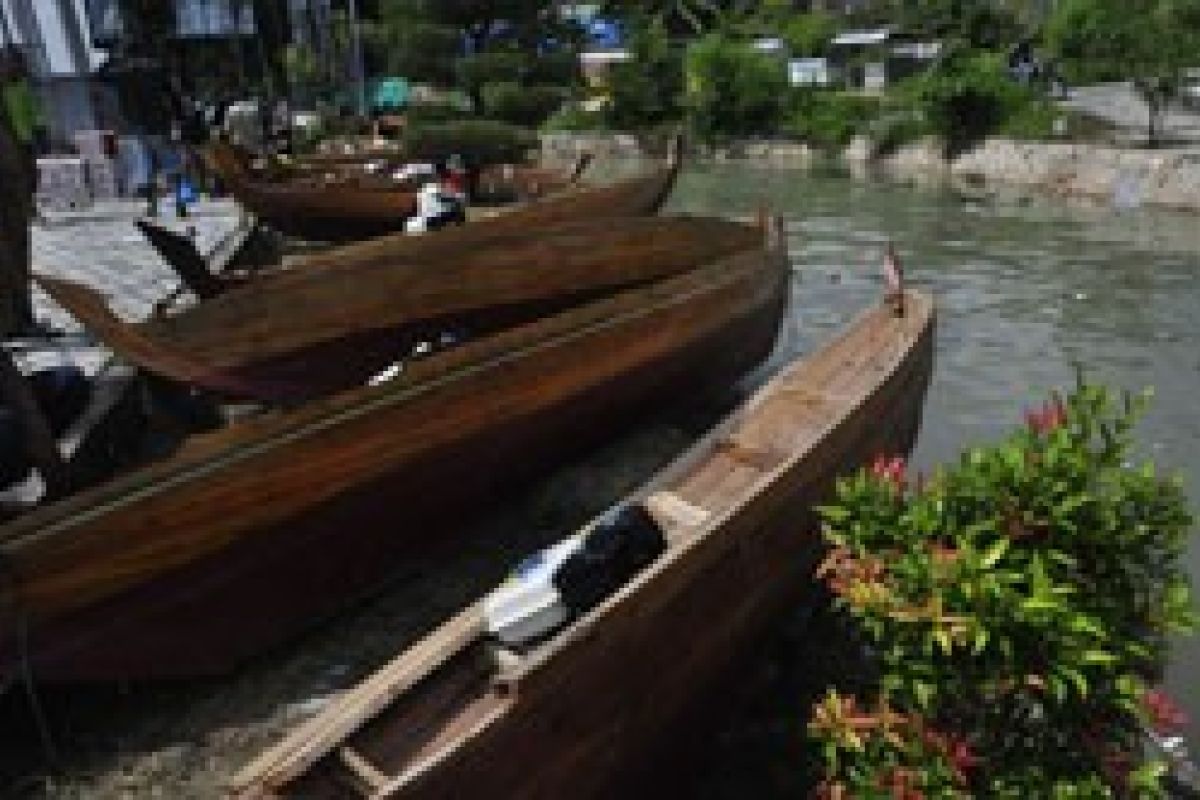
x=1111, y=175
x=1125, y=177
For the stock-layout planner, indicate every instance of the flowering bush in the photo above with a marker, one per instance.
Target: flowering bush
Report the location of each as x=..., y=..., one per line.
x=1017, y=607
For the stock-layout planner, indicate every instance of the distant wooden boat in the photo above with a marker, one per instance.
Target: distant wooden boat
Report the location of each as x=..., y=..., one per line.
x=334, y=211
x=343, y=209
x=457, y=716
x=307, y=332
x=238, y=538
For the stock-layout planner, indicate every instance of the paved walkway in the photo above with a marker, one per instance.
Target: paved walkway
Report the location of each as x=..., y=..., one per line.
x=101, y=248
x=1119, y=105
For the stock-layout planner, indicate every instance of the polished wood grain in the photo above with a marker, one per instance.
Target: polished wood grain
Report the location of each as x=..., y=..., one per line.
x=323, y=303
x=103, y=577
x=571, y=716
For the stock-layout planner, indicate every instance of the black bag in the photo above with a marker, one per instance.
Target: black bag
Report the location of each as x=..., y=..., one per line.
x=622, y=543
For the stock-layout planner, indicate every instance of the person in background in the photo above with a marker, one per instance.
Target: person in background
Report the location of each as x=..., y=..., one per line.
x=455, y=180
x=19, y=123
x=438, y=204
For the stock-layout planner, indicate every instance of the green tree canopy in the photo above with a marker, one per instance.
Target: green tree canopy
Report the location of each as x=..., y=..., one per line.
x=471, y=46
x=1150, y=42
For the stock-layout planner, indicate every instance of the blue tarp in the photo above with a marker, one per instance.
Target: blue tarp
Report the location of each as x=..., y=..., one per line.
x=390, y=94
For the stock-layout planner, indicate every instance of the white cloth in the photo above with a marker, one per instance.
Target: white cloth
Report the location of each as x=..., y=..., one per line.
x=432, y=201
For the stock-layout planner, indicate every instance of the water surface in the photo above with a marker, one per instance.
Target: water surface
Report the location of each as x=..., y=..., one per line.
x=1026, y=290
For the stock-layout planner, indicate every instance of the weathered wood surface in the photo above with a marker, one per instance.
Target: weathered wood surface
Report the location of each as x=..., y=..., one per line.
x=574, y=714
x=563, y=265
x=312, y=505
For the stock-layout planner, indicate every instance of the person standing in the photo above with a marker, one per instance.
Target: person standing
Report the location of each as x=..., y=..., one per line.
x=19, y=123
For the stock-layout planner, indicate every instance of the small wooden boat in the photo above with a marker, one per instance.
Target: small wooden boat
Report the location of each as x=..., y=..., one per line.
x=305, y=333
x=460, y=716
x=232, y=540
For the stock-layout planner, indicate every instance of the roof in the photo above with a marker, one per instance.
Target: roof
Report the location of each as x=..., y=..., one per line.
x=863, y=38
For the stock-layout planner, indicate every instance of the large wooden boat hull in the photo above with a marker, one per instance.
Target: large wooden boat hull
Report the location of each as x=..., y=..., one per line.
x=189, y=567
x=572, y=717
x=325, y=328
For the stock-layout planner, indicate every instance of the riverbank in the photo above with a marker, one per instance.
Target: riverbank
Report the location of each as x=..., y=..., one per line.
x=1124, y=177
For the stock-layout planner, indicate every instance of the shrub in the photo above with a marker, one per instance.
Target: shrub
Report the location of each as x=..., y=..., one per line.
x=966, y=97
x=829, y=119
x=1017, y=608
x=732, y=89
x=528, y=106
x=435, y=112
x=645, y=90
x=810, y=34
x=574, y=117
x=479, y=141
x=1033, y=120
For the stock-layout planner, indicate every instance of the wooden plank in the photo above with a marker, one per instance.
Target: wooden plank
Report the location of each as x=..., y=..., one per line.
x=371, y=776
x=349, y=712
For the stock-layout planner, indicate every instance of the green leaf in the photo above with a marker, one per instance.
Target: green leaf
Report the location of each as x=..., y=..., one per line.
x=1099, y=657
x=942, y=637
x=1040, y=604
x=981, y=640
x=993, y=554
x=1076, y=678
x=834, y=513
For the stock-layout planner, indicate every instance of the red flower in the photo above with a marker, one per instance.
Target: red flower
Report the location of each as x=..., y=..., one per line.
x=1165, y=715
x=890, y=470
x=962, y=759
x=1051, y=416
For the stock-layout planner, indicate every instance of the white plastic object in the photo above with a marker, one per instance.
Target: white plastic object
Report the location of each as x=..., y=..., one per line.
x=527, y=606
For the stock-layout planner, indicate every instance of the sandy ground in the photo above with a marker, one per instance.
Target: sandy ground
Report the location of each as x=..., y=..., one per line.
x=184, y=740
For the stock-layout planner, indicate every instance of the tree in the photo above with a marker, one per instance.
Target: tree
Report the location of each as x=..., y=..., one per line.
x=468, y=46
x=810, y=34
x=732, y=89
x=646, y=89
x=1150, y=42
x=512, y=63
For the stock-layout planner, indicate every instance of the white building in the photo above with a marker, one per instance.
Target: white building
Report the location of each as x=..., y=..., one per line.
x=56, y=39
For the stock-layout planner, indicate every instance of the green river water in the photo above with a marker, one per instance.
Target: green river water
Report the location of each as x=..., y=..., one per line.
x=1026, y=289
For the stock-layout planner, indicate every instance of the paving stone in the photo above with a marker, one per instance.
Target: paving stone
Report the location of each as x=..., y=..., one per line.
x=102, y=249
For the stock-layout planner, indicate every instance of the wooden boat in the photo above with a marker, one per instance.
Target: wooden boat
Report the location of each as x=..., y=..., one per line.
x=238, y=538
x=458, y=716
x=525, y=182
x=333, y=211
x=305, y=333
x=342, y=209
x=640, y=196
